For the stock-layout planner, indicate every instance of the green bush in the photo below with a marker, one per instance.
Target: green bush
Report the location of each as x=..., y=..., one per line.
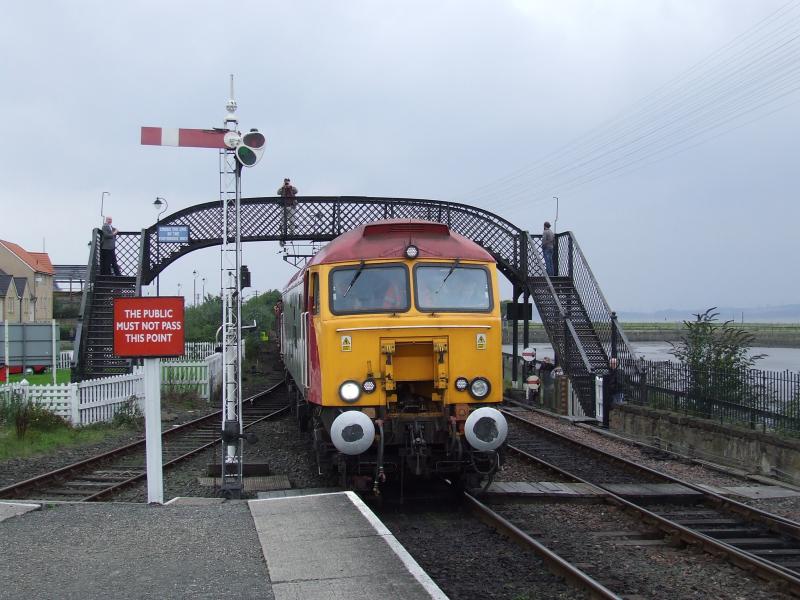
x=27, y=414
x=129, y=415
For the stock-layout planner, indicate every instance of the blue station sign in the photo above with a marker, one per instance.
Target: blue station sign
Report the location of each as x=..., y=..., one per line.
x=173, y=233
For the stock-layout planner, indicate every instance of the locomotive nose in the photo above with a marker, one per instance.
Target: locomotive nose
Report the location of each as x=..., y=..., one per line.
x=486, y=429
x=352, y=432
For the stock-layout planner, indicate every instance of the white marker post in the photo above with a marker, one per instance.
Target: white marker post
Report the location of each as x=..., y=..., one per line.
x=150, y=328
x=152, y=428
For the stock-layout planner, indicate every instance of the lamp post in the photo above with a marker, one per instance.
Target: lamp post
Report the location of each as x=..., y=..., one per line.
x=555, y=222
x=194, y=288
x=204, y=289
x=179, y=289
x=102, y=200
x=159, y=202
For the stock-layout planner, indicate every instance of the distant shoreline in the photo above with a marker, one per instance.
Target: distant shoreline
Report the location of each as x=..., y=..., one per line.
x=775, y=335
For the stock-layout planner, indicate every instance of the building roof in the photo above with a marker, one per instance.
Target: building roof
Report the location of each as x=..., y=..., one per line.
x=21, y=283
x=5, y=282
x=38, y=261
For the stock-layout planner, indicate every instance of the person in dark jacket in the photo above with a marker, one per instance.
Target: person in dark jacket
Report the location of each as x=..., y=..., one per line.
x=548, y=246
x=108, y=250
x=613, y=386
x=288, y=192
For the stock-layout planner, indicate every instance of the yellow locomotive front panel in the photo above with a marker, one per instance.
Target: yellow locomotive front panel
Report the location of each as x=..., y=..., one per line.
x=404, y=361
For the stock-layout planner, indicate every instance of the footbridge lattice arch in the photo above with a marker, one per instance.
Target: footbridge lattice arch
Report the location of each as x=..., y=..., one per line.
x=578, y=321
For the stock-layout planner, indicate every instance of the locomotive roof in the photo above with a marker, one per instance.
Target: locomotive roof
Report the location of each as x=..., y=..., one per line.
x=390, y=238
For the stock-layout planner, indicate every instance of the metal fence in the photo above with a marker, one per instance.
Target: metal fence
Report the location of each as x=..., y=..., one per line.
x=765, y=400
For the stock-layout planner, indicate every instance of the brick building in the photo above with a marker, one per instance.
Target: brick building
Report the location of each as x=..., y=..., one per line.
x=26, y=284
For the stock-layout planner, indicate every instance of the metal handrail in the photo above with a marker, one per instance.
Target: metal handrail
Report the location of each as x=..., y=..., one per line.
x=623, y=344
x=86, y=303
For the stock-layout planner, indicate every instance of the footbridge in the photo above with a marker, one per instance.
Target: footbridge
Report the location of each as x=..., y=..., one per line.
x=578, y=320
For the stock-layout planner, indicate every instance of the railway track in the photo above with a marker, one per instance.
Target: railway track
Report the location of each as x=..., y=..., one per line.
x=101, y=476
x=558, y=565
x=766, y=544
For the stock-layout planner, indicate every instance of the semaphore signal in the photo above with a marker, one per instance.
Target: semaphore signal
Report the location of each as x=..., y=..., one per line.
x=236, y=150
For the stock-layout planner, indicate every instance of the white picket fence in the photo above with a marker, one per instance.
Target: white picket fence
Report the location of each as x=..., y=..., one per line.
x=192, y=351
x=97, y=400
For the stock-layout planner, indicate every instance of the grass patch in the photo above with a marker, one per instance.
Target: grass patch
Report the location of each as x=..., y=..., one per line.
x=183, y=398
x=62, y=376
x=44, y=442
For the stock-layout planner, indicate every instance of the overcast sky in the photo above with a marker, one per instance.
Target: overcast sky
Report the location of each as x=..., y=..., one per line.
x=451, y=100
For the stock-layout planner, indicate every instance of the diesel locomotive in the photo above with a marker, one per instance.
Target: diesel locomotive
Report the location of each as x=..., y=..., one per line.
x=391, y=335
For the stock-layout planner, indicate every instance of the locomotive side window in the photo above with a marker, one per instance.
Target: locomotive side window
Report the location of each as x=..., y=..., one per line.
x=369, y=289
x=454, y=288
x=315, y=293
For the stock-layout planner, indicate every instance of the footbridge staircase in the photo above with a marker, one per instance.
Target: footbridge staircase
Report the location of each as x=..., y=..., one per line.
x=579, y=323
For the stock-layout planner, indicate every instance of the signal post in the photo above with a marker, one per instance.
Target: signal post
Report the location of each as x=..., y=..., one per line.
x=236, y=150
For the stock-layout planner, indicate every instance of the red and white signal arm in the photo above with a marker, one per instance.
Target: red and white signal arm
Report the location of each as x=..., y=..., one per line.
x=149, y=327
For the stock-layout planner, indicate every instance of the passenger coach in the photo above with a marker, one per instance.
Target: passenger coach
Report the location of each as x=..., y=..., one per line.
x=391, y=334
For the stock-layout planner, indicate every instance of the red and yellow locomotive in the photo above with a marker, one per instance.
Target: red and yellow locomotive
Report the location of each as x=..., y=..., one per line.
x=391, y=334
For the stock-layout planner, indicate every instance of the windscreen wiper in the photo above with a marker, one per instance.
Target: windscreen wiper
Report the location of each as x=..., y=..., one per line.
x=353, y=280
x=450, y=272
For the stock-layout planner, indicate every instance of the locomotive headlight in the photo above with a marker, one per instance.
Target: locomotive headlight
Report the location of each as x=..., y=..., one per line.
x=412, y=251
x=349, y=391
x=462, y=384
x=369, y=385
x=479, y=388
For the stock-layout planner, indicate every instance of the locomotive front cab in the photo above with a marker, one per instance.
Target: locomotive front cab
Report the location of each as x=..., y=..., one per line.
x=414, y=345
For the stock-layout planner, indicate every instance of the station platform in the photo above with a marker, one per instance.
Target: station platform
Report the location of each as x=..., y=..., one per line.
x=298, y=547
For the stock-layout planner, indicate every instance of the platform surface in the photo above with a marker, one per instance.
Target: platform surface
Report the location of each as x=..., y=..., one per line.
x=133, y=551
x=15, y=509
x=332, y=547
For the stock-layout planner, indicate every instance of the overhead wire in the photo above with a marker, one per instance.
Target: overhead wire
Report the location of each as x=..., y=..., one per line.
x=733, y=90
x=641, y=105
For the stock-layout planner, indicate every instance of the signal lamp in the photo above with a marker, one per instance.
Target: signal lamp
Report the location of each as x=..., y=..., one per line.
x=349, y=391
x=412, y=252
x=479, y=388
x=461, y=384
x=250, y=149
x=369, y=385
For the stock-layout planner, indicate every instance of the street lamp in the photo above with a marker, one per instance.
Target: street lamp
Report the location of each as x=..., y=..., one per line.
x=159, y=202
x=194, y=288
x=555, y=222
x=179, y=289
x=102, y=200
x=204, y=289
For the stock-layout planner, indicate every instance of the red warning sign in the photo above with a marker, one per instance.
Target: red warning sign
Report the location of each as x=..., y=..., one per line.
x=148, y=326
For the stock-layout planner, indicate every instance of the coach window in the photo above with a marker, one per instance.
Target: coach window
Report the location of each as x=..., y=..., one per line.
x=369, y=289
x=315, y=293
x=452, y=287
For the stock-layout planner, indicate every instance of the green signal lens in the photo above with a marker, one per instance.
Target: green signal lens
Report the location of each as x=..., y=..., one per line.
x=254, y=139
x=246, y=156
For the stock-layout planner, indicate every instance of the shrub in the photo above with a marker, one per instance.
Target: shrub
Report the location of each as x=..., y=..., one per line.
x=129, y=415
x=27, y=414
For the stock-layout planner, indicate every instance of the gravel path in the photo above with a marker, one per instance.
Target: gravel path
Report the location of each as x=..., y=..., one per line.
x=469, y=560
x=280, y=444
x=580, y=533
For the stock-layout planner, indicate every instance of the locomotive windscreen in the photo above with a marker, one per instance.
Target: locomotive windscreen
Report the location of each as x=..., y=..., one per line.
x=444, y=287
x=369, y=289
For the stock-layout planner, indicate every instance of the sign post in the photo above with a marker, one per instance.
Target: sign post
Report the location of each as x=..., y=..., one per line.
x=150, y=328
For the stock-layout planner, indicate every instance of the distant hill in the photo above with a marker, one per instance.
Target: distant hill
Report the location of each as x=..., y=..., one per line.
x=787, y=313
